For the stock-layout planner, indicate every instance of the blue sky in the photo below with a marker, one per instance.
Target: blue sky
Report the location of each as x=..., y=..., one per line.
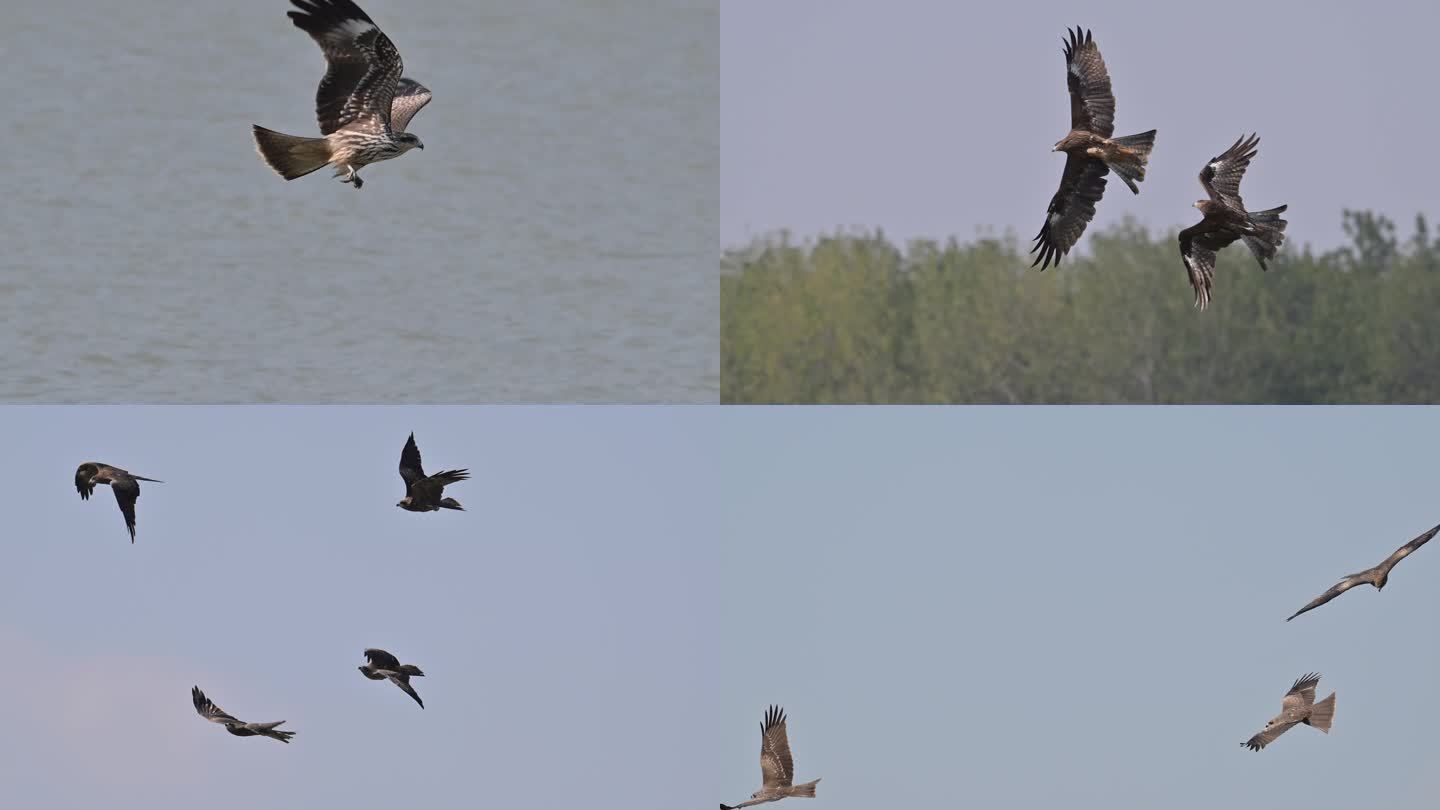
x=565, y=621
x=1078, y=607
x=932, y=118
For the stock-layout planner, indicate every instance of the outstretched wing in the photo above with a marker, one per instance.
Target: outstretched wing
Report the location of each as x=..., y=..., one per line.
x=1092, y=104
x=1339, y=588
x=363, y=65
x=775, y=764
x=1071, y=209
x=1302, y=693
x=209, y=710
x=1404, y=551
x=403, y=681
x=381, y=659
x=1198, y=245
x=410, y=96
x=410, y=468
x=1221, y=176
x=1267, y=736
x=127, y=490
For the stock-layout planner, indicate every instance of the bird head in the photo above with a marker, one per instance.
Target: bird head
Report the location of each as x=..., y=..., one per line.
x=408, y=140
x=404, y=502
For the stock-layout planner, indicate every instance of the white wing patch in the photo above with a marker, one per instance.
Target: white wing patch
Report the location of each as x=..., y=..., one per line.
x=1075, y=68
x=1055, y=217
x=354, y=28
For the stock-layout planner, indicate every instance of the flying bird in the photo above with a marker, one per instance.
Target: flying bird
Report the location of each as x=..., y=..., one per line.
x=215, y=714
x=1376, y=576
x=384, y=665
x=1225, y=219
x=125, y=486
x=363, y=104
x=1090, y=151
x=775, y=764
x=1299, y=706
x=422, y=492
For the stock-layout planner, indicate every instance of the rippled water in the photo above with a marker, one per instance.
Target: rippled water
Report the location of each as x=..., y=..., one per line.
x=554, y=241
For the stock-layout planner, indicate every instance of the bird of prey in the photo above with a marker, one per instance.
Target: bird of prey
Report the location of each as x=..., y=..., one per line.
x=775, y=765
x=1376, y=576
x=363, y=104
x=1090, y=151
x=125, y=486
x=1225, y=219
x=384, y=665
x=1299, y=706
x=422, y=492
x=215, y=714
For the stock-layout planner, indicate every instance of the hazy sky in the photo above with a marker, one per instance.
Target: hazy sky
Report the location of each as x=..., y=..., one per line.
x=563, y=622
x=1079, y=607
x=933, y=118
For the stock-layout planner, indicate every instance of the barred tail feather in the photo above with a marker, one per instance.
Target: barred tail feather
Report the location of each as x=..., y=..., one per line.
x=289, y=155
x=807, y=789
x=1322, y=714
x=1271, y=227
x=1131, y=167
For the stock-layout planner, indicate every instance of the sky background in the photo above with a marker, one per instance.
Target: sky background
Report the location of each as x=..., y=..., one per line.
x=564, y=621
x=931, y=118
x=1045, y=607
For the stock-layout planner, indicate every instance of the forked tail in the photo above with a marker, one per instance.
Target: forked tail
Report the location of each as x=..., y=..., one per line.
x=1322, y=714
x=411, y=669
x=1271, y=234
x=1130, y=164
x=451, y=503
x=289, y=155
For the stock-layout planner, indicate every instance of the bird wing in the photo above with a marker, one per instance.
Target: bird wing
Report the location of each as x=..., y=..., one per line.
x=1198, y=244
x=1335, y=590
x=410, y=468
x=362, y=65
x=1071, y=209
x=775, y=764
x=381, y=659
x=1267, y=736
x=209, y=710
x=1302, y=693
x=127, y=490
x=83, y=474
x=1221, y=176
x=1092, y=104
x=410, y=96
x=1404, y=551
x=402, y=680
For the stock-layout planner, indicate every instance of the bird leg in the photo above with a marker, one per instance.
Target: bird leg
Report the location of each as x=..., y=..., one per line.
x=350, y=177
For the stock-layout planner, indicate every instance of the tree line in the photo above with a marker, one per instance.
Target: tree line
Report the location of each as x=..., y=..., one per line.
x=854, y=318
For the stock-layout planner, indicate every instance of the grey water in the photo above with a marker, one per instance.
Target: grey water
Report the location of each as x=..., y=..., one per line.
x=554, y=241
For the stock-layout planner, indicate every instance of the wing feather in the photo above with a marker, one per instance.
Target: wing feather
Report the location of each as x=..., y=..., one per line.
x=776, y=766
x=209, y=710
x=381, y=659
x=1198, y=246
x=127, y=490
x=1404, y=551
x=410, y=467
x=1267, y=736
x=1221, y=176
x=410, y=96
x=1082, y=184
x=362, y=65
x=1092, y=103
